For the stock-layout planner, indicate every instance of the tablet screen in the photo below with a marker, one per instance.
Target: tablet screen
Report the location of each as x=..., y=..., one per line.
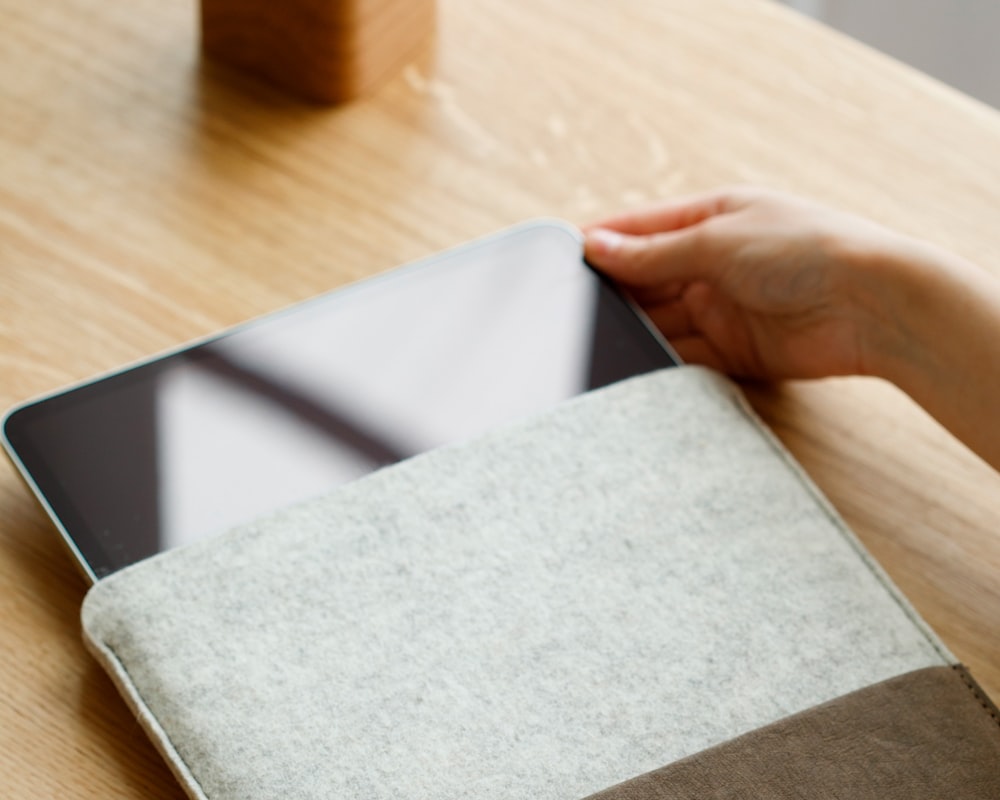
x=295, y=403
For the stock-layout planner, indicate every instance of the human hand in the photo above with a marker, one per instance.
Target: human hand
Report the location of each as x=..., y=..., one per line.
x=764, y=285
x=753, y=282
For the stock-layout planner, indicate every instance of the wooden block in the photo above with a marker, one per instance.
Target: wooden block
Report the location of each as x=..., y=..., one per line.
x=326, y=51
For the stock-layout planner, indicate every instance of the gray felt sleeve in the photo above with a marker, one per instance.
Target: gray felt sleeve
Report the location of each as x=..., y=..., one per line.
x=543, y=612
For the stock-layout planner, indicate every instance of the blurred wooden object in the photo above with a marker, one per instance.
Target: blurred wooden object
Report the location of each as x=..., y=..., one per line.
x=326, y=51
x=147, y=198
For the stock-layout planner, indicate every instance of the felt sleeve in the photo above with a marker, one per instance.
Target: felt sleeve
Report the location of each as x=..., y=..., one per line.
x=546, y=611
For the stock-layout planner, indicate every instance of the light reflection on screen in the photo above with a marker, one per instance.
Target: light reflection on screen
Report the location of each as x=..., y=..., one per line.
x=467, y=348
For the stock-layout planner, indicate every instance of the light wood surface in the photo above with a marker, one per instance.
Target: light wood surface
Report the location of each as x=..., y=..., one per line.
x=146, y=198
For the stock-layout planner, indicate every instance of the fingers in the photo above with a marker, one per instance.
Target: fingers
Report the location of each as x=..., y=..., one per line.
x=682, y=315
x=682, y=212
x=659, y=262
x=698, y=350
x=671, y=318
x=660, y=244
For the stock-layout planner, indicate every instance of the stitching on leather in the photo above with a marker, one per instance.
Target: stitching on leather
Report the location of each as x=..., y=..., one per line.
x=977, y=693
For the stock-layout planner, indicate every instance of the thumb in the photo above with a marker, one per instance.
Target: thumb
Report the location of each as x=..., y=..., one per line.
x=646, y=261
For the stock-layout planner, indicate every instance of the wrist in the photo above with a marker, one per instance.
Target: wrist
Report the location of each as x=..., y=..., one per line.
x=900, y=290
x=932, y=327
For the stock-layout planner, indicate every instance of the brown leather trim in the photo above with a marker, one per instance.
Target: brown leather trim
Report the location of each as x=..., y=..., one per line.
x=926, y=735
x=978, y=693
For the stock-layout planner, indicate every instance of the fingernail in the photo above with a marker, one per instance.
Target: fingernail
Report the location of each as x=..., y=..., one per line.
x=603, y=241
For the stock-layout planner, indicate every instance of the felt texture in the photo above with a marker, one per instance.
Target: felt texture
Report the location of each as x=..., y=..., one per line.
x=548, y=610
x=926, y=735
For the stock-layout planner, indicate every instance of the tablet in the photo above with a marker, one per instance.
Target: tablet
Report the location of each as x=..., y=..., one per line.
x=216, y=433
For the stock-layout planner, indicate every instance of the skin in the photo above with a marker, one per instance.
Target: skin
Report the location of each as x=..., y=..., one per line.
x=768, y=286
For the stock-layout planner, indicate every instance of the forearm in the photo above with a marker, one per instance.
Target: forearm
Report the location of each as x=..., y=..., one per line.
x=937, y=337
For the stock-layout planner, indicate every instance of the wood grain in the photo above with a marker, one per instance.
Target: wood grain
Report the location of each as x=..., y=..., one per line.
x=148, y=197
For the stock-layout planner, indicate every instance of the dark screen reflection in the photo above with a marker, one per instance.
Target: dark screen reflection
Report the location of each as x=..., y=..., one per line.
x=298, y=402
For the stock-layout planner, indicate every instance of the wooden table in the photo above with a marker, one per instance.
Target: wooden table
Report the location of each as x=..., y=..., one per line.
x=146, y=198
